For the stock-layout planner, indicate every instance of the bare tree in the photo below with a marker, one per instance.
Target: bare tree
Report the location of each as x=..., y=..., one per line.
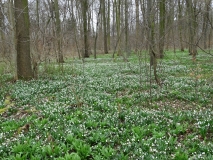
x=118, y=24
x=206, y=17
x=58, y=25
x=2, y=38
x=96, y=34
x=151, y=34
x=137, y=24
x=84, y=7
x=162, y=4
x=127, y=27
x=108, y=24
x=180, y=23
x=58, y=32
x=103, y=11
x=12, y=37
x=192, y=21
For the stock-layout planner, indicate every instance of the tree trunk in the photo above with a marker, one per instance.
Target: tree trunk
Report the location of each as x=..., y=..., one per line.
x=162, y=27
x=12, y=28
x=24, y=68
x=143, y=8
x=72, y=15
x=205, y=22
x=103, y=11
x=180, y=25
x=192, y=22
x=2, y=38
x=84, y=6
x=96, y=34
x=36, y=55
x=118, y=23
x=58, y=32
x=126, y=30
x=151, y=27
x=137, y=25
x=113, y=23
x=108, y=25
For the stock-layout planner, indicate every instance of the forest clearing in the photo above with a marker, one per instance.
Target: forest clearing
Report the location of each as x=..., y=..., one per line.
x=104, y=109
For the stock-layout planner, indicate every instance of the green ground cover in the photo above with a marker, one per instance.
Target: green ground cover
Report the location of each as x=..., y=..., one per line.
x=104, y=109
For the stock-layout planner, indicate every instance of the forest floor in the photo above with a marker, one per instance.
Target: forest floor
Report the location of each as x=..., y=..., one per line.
x=110, y=109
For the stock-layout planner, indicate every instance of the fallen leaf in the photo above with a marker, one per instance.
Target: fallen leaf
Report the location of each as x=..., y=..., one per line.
x=24, y=129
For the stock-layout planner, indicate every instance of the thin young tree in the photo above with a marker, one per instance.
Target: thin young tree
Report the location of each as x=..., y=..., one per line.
x=96, y=34
x=73, y=24
x=36, y=54
x=206, y=17
x=2, y=37
x=127, y=29
x=103, y=11
x=84, y=7
x=151, y=41
x=12, y=36
x=118, y=25
x=108, y=24
x=137, y=25
x=58, y=32
x=162, y=9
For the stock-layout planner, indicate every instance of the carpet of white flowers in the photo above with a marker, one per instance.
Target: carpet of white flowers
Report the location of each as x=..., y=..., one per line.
x=110, y=109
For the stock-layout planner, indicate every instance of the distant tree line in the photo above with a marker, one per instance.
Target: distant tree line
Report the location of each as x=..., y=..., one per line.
x=37, y=31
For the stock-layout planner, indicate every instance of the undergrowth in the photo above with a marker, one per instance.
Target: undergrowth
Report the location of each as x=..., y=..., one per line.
x=108, y=109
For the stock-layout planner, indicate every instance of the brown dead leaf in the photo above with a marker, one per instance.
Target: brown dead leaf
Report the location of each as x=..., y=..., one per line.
x=23, y=129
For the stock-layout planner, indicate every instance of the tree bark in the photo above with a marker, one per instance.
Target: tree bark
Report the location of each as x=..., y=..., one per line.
x=192, y=21
x=12, y=28
x=180, y=25
x=84, y=6
x=24, y=68
x=151, y=42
